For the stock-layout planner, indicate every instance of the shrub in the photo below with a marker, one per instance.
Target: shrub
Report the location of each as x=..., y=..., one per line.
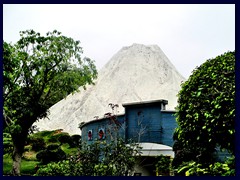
x=56, y=136
x=193, y=168
x=64, y=138
x=75, y=141
x=37, y=143
x=51, y=154
x=97, y=159
x=163, y=165
x=52, y=147
x=206, y=108
x=55, y=169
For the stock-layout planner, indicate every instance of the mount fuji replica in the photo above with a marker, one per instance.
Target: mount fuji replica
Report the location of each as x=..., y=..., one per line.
x=135, y=73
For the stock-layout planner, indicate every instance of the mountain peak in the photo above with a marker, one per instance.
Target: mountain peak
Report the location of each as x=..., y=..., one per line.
x=135, y=73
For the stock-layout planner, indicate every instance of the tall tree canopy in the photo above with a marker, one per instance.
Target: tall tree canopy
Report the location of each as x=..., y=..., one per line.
x=39, y=71
x=206, y=107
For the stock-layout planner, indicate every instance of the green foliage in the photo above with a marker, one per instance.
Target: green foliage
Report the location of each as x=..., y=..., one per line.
x=61, y=168
x=216, y=169
x=39, y=71
x=52, y=153
x=69, y=150
x=28, y=167
x=97, y=159
x=163, y=165
x=206, y=108
x=64, y=138
x=52, y=147
x=29, y=160
x=7, y=143
x=192, y=169
x=37, y=144
x=75, y=141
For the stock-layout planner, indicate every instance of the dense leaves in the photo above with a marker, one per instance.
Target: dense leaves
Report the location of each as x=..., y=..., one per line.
x=206, y=108
x=192, y=168
x=97, y=159
x=39, y=71
x=52, y=153
x=163, y=165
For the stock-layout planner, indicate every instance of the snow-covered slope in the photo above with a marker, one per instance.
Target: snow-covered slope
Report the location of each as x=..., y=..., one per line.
x=135, y=73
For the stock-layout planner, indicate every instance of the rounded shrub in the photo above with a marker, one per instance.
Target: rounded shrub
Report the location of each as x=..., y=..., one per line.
x=206, y=107
x=75, y=140
x=52, y=147
x=51, y=154
x=37, y=143
x=64, y=138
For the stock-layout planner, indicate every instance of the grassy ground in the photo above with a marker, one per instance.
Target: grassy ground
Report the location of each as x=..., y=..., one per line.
x=29, y=160
x=27, y=166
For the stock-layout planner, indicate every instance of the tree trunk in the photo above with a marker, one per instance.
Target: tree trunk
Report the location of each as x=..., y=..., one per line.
x=18, y=149
x=17, y=157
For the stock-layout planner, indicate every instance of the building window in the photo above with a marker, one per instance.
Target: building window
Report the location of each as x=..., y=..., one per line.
x=101, y=133
x=90, y=135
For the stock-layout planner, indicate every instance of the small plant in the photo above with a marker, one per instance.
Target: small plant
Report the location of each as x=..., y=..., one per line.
x=37, y=144
x=97, y=159
x=163, y=165
x=61, y=168
x=75, y=141
x=52, y=153
x=193, y=168
x=65, y=138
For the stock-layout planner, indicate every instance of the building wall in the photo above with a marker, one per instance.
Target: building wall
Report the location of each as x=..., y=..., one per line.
x=111, y=130
x=168, y=126
x=144, y=124
x=141, y=123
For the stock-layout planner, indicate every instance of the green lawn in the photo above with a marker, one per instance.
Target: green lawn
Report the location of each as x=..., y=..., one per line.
x=29, y=160
x=69, y=151
x=27, y=167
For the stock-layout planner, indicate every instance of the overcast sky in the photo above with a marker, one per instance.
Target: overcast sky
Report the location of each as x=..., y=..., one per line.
x=187, y=34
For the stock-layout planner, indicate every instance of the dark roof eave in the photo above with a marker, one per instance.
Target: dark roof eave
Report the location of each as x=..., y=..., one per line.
x=160, y=101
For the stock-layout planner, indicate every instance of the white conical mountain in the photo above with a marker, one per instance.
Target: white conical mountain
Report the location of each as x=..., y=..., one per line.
x=135, y=73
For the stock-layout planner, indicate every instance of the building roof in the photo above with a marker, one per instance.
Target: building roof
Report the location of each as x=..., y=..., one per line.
x=160, y=101
x=154, y=149
x=168, y=111
x=97, y=120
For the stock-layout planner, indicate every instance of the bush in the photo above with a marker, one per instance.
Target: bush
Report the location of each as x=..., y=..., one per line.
x=206, y=107
x=97, y=159
x=75, y=141
x=163, y=165
x=37, y=143
x=193, y=168
x=52, y=147
x=51, y=154
x=55, y=169
x=65, y=138
x=57, y=135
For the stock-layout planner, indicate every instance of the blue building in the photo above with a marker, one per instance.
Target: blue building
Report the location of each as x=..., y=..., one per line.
x=147, y=123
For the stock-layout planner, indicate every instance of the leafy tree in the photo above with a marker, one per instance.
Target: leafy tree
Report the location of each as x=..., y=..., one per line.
x=39, y=71
x=206, y=109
